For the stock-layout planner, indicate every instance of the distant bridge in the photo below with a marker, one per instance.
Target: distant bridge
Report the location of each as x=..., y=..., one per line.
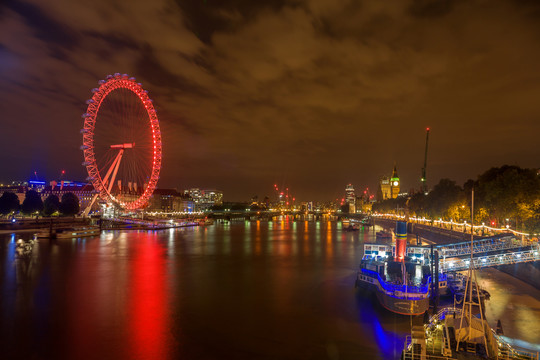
x=248, y=214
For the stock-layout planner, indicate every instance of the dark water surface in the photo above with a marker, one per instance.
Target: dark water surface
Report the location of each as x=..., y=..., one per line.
x=253, y=290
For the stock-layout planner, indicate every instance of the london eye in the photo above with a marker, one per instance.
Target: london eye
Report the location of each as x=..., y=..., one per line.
x=121, y=143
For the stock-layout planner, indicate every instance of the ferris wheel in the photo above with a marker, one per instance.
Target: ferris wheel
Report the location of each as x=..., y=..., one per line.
x=121, y=143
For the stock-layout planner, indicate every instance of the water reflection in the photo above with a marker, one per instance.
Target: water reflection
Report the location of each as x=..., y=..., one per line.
x=263, y=289
x=148, y=302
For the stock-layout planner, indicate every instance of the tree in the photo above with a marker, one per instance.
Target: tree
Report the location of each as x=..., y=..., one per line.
x=416, y=204
x=508, y=192
x=70, y=204
x=9, y=202
x=444, y=200
x=239, y=206
x=32, y=203
x=393, y=206
x=51, y=205
x=216, y=207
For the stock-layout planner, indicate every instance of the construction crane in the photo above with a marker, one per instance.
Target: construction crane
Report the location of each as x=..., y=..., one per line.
x=424, y=184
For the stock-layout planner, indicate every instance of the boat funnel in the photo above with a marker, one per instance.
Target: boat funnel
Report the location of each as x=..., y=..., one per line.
x=401, y=240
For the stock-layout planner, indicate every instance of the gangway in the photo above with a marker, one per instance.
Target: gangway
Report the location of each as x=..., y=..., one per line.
x=486, y=252
x=484, y=246
x=512, y=257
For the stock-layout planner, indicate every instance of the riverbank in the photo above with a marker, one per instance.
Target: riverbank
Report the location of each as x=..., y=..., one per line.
x=515, y=303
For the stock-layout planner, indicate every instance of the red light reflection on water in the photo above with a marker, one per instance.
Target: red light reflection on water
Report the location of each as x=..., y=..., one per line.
x=118, y=306
x=148, y=307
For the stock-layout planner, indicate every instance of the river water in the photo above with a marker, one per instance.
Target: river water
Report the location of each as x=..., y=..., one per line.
x=248, y=290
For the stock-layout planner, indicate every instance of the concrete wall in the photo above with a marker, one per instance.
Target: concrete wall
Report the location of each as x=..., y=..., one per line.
x=527, y=272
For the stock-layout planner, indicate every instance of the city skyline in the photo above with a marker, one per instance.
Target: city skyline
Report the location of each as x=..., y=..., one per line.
x=309, y=95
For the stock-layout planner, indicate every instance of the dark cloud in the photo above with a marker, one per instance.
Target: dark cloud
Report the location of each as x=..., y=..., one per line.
x=205, y=18
x=315, y=94
x=431, y=8
x=149, y=66
x=43, y=26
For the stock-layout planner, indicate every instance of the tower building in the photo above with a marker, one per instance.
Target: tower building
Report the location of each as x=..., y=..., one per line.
x=394, y=183
x=389, y=187
x=350, y=198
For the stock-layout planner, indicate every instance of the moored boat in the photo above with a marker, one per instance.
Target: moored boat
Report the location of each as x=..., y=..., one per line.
x=383, y=276
x=400, y=283
x=206, y=221
x=352, y=226
x=78, y=232
x=383, y=235
x=461, y=333
x=454, y=334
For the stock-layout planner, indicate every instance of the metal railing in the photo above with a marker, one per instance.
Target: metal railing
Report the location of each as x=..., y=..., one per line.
x=505, y=350
x=533, y=254
x=485, y=246
x=424, y=290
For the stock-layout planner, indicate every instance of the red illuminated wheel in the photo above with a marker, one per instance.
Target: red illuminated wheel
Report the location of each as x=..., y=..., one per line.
x=122, y=142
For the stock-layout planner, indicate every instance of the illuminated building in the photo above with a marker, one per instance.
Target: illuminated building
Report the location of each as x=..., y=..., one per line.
x=16, y=188
x=170, y=200
x=384, y=189
x=394, y=183
x=83, y=191
x=350, y=198
x=389, y=187
x=204, y=199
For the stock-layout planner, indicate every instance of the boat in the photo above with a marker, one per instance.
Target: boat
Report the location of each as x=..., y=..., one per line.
x=67, y=233
x=461, y=333
x=457, y=284
x=352, y=226
x=453, y=334
x=383, y=276
x=401, y=284
x=383, y=235
x=206, y=221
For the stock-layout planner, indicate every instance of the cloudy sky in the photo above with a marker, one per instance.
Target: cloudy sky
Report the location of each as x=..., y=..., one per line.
x=308, y=94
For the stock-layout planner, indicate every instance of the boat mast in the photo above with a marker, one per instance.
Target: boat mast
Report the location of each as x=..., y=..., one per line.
x=424, y=180
x=468, y=304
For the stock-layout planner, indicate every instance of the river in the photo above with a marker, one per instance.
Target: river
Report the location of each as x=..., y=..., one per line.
x=246, y=290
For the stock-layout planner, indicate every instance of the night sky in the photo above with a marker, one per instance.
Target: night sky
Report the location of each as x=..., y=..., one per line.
x=306, y=94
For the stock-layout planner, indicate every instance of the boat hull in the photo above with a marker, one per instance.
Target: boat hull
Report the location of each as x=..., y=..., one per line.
x=78, y=233
x=397, y=305
x=403, y=306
